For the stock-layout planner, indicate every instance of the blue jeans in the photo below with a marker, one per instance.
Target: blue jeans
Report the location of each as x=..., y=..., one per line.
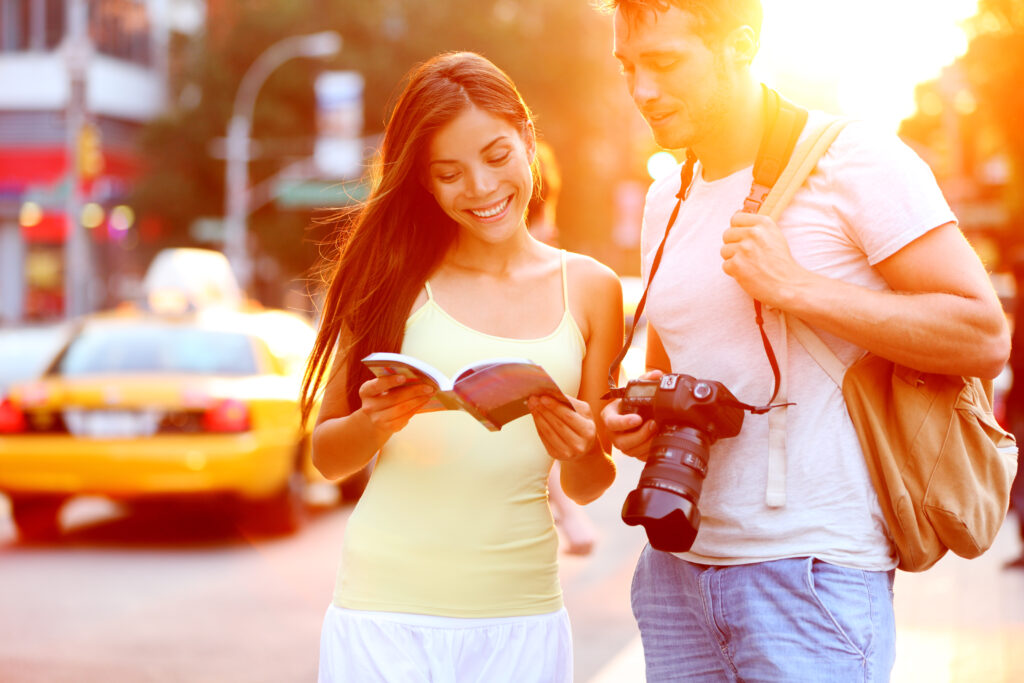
x=789, y=620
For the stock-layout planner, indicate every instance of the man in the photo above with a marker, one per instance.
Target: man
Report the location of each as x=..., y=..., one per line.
x=869, y=254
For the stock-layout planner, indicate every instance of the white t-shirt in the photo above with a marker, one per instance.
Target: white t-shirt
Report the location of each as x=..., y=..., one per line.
x=869, y=196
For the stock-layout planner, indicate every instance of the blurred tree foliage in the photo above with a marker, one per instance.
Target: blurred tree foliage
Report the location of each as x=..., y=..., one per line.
x=558, y=53
x=972, y=114
x=994, y=66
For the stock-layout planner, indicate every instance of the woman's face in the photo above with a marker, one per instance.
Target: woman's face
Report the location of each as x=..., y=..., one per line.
x=479, y=173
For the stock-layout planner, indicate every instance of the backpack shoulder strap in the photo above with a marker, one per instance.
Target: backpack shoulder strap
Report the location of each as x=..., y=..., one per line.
x=802, y=162
x=805, y=158
x=784, y=121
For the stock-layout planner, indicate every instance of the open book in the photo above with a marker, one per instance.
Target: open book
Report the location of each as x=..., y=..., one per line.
x=494, y=391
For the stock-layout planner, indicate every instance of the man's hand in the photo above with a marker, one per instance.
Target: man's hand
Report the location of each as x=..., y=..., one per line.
x=628, y=431
x=756, y=255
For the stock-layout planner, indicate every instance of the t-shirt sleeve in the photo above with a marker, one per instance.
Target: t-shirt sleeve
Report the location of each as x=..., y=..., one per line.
x=884, y=193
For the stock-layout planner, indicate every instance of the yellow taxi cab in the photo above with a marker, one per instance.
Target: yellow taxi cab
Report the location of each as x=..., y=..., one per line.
x=141, y=406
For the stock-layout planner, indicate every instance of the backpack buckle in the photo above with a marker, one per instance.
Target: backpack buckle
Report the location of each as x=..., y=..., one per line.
x=754, y=201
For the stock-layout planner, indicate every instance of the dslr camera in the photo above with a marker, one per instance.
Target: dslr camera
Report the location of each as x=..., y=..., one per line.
x=691, y=415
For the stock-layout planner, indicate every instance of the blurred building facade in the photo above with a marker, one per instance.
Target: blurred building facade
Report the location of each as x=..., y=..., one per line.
x=969, y=158
x=78, y=79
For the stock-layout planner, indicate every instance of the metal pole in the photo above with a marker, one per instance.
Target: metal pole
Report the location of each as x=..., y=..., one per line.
x=236, y=180
x=236, y=199
x=76, y=247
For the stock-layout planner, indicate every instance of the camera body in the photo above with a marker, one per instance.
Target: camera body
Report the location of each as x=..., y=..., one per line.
x=691, y=415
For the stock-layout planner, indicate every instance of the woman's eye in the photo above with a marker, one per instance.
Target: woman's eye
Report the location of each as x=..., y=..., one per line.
x=447, y=177
x=500, y=159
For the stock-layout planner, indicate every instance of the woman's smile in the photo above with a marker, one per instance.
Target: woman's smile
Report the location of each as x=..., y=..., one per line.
x=495, y=211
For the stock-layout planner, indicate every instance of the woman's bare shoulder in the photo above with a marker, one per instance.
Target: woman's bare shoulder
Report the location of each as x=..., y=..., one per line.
x=589, y=272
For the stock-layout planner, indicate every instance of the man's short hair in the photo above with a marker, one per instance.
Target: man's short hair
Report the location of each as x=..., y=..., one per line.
x=716, y=18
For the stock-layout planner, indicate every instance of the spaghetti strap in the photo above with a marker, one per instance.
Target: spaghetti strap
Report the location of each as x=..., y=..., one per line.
x=430, y=295
x=565, y=284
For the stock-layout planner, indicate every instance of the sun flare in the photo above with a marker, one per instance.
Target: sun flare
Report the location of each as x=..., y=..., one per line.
x=863, y=58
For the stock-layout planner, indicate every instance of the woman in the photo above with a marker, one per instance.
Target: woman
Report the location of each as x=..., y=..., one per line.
x=449, y=563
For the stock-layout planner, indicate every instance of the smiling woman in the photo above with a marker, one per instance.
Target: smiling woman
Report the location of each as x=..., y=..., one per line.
x=480, y=175
x=449, y=562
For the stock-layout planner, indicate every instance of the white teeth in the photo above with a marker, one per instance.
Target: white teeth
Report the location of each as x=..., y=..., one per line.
x=488, y=213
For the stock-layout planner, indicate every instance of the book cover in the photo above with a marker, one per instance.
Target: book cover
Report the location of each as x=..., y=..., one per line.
x=494, y=391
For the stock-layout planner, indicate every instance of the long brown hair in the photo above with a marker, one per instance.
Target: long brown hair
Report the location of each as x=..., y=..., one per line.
x=399, y=236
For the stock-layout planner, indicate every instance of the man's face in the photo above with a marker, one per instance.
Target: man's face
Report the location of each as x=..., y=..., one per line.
x=680, y=85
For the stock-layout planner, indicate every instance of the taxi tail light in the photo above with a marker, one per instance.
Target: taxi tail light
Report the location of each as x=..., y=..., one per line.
x=12, y=419
x=229, y=415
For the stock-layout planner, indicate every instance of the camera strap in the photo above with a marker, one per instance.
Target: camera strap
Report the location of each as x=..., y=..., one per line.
x=783, y=123
x=686, y=180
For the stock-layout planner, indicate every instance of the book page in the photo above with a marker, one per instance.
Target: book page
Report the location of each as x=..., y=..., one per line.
x=499, y=389
x=383, y=363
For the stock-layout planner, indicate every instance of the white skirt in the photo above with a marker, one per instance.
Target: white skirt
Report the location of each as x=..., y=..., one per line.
x=388, y=647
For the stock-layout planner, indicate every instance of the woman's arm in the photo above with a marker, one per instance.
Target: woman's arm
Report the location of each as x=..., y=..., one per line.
x=576, y=438
x=344, y=440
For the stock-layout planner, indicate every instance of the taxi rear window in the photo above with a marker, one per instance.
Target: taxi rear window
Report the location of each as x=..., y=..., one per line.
x=158, y=350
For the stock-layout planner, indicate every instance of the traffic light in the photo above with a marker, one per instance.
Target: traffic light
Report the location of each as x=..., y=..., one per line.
x=90, y=152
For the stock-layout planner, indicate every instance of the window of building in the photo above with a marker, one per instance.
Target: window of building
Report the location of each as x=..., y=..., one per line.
x=121, y=29
x=54, y=23
x=31, y=24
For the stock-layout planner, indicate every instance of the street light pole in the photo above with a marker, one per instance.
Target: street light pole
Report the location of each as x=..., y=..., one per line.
x=76, y=245
x=236, y=180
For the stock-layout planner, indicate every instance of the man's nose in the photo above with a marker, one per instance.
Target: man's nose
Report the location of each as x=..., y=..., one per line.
x=645, y=89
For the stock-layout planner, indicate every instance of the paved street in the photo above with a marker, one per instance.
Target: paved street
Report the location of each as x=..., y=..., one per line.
x=169, y=597
x=162, y=600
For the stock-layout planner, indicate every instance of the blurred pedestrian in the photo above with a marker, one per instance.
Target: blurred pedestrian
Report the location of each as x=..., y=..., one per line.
x=577, y=529
x=542, y=212
x=789, y=577
x=1014, y=413
x=449, y=561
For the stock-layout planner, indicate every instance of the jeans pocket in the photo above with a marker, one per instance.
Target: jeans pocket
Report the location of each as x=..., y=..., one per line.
x=844, y=599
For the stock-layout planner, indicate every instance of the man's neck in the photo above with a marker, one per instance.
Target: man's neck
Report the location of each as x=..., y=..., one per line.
x=736, y=139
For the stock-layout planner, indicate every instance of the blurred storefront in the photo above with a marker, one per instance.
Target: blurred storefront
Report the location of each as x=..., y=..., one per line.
x=971, y=162
x=78, y=79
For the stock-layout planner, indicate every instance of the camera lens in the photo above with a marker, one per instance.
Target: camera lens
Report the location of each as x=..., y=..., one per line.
x=665, y=500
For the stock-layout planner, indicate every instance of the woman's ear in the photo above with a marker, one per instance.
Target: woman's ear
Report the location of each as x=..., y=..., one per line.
x=530, y=139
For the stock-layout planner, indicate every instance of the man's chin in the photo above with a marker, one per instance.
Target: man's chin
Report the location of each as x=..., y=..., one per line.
x=667, y=139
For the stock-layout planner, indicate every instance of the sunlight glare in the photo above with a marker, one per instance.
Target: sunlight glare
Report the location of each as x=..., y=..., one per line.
x=862, y=59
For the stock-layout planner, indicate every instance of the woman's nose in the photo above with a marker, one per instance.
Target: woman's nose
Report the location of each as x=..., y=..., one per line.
x=481, y=182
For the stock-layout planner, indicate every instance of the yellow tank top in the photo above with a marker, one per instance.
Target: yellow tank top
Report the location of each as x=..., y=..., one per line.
x=455, y=520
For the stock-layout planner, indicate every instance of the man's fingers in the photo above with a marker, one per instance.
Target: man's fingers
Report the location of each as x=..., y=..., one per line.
x=621, y=422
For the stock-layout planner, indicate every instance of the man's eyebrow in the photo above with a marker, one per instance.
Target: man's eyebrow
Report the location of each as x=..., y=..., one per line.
x=483, y=149
x=649, y=54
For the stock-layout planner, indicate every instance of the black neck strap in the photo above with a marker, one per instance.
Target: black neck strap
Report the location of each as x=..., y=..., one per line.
x=686, y=179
